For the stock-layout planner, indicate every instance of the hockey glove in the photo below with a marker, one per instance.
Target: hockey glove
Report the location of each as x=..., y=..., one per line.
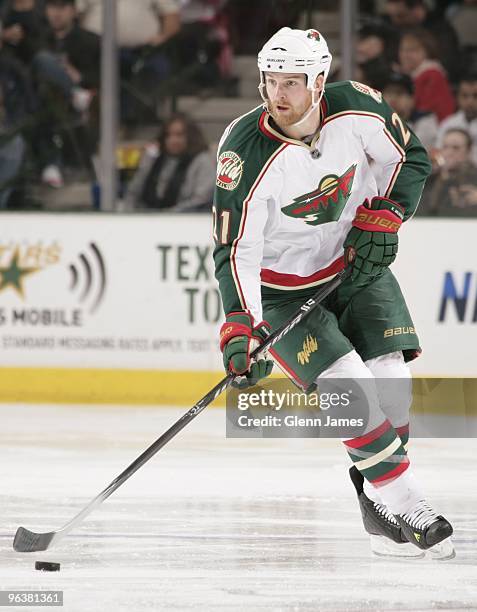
x=372, y=242
x=238, y=338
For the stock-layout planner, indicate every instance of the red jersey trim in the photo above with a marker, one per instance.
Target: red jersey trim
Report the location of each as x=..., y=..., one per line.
x=263, y=128
x=323, y=108
x=262, y=125
x=284, y=366
x=293, y=280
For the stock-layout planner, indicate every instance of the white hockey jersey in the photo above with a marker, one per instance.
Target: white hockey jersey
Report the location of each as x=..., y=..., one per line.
x=283, y=208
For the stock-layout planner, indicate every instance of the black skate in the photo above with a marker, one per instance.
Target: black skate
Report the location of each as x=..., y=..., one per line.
x=386, y=535
x=427, y=530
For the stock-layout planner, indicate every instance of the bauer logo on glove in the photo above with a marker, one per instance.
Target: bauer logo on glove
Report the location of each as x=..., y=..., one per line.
x=372, y=242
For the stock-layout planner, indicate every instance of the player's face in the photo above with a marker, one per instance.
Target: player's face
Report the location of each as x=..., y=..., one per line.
x=455, y=150
x=467, y=99
x=289, y=99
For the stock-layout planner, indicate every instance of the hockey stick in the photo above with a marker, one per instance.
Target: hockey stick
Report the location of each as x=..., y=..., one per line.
x=28, y=541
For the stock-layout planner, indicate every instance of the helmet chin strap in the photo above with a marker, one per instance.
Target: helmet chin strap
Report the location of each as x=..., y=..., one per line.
x=263, y=95
x=314, y=104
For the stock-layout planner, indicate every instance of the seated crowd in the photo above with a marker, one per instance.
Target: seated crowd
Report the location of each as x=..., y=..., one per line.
x=422, y=55
x=425, y=63
x=50, y=78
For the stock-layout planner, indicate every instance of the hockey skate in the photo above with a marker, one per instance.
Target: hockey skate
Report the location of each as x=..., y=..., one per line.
x=386, y=536
x=427, y=531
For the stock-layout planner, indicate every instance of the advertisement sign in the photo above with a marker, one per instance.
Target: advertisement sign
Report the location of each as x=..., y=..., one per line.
x=437, y=270
x=136, y=294
x=108, y=291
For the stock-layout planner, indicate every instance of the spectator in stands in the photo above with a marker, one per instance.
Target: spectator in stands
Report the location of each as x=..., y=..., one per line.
x=253, y=21
x=16, y=104
x=418, y=59
x=202, y=48
x=405, y=14
x=372, y=73
x=177, y=174
x=18, y=96
x=466, y=117
x=71, y=60
x=144, y=33
x=23, y=27
x=377, y=40
x=144, y=28
x=398, y=91
x=451, y=189
x=376, y=53
x=463, y=17
x=139, y=23
x=67, y=74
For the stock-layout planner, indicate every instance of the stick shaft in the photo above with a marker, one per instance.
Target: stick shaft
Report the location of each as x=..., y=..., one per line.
x=208, y=398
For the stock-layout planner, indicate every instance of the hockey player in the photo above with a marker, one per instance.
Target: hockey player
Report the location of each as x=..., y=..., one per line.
x=314, y=180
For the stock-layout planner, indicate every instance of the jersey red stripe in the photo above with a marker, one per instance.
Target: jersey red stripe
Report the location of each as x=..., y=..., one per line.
x=263, y=128
x=293, y=280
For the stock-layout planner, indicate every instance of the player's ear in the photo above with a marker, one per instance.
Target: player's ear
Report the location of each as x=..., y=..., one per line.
x=320, y=79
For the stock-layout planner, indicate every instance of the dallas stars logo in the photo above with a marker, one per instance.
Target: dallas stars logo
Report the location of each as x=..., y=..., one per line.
x=12, y=275
x=325, y=203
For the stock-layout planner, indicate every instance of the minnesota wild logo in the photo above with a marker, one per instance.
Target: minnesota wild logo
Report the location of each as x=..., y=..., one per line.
x=325, y=203
x=313, y=34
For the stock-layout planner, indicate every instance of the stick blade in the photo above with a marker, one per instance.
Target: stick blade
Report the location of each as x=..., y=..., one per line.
x=28, y=541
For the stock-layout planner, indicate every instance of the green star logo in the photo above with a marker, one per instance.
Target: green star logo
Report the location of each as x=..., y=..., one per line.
x=13, y=275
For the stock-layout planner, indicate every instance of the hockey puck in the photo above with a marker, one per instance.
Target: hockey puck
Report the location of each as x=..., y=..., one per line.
x=46, y=566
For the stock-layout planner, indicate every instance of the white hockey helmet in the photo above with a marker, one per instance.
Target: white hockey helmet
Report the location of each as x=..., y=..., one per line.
x=295, y=51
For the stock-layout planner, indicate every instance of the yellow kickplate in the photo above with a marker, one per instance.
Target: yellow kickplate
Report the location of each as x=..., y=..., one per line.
x=106, y=386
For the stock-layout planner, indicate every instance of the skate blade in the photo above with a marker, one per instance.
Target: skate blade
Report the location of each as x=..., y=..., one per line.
x=442, y=551
x=384, y=547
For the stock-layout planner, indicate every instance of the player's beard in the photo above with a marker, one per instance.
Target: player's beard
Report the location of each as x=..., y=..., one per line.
x=289, y=117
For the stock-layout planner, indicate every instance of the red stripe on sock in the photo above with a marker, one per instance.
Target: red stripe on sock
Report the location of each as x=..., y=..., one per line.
x=402, y=430
x=394, y=473
x=370, y=437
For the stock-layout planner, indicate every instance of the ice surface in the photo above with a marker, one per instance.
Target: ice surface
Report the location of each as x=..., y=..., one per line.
x=214, y=524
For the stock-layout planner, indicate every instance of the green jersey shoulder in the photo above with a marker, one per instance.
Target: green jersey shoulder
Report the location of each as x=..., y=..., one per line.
x=352, y=96
x=243, y=152
x=365, y=103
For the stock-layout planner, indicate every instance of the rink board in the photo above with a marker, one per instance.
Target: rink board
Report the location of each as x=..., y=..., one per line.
x=125, y=309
